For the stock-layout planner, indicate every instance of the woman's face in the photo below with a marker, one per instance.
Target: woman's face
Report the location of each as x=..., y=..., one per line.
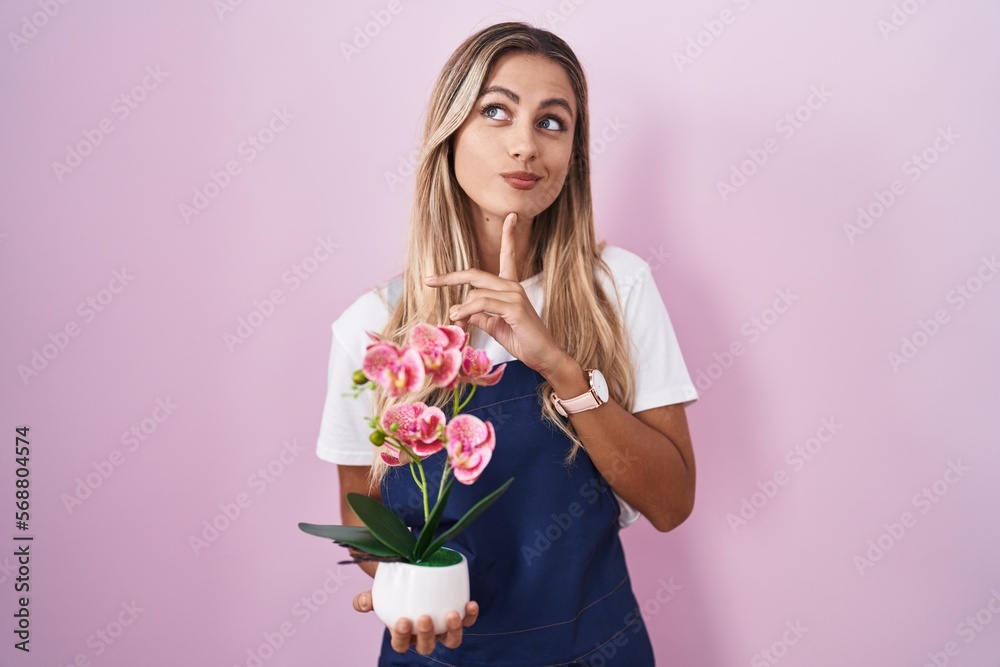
x=523, y=122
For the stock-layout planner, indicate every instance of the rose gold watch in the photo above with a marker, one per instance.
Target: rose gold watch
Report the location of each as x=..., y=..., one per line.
x=594, y=397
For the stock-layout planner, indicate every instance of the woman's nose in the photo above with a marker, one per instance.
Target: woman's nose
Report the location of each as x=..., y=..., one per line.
x=522, y=141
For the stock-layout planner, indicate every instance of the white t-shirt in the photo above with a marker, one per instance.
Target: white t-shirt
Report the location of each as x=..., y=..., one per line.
x=661, y=376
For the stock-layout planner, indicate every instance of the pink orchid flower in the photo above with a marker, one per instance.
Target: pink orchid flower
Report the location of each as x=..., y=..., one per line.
x=441, y=351
x=417, y=426
x=476, y=368
x=392, y=456
x=470, y=446
x=398, y=370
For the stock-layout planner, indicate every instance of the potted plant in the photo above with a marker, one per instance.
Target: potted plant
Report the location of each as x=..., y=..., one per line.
x=420, y=575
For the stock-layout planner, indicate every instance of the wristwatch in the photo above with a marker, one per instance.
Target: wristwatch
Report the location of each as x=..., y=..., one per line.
x=595, y=397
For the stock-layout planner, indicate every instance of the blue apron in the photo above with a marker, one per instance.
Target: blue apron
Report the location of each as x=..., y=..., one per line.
x=545, y=561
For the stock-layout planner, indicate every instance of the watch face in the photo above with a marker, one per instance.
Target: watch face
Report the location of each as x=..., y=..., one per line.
x=600, y=385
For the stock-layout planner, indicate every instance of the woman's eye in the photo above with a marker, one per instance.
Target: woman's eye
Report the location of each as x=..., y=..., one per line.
x=488, y=109
x=552, y=119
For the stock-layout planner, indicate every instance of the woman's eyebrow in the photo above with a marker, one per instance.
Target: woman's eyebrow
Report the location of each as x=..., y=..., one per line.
x=550, y=102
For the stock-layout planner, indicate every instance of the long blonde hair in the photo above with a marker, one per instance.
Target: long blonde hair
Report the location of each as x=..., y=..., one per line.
x=576, y=310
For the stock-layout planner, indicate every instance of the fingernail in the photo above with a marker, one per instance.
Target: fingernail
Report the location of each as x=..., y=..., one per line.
x=430, y=278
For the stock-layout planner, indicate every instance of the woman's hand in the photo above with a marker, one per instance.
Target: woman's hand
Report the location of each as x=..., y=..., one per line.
x=403, y=635
x=499, y=306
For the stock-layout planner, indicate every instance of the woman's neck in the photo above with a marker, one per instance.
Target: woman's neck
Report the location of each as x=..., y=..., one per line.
x=489, y=230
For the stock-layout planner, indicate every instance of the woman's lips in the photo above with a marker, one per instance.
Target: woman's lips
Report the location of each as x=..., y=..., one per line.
x=521, y=183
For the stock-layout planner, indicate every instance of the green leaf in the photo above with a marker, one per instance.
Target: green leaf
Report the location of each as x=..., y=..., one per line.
x=432, y=523
x=469, y=517
x=384, y=525
x=358, y=537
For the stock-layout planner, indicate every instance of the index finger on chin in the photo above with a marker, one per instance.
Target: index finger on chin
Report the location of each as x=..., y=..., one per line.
x=508, y=265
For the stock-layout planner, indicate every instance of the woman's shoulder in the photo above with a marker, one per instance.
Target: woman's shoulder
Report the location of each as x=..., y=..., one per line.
x=626, y=267
x=621, y=260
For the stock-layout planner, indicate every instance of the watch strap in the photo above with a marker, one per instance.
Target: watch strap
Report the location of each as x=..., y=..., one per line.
x=586, y=401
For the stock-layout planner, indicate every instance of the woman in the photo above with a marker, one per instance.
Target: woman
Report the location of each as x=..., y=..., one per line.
x=502, y=218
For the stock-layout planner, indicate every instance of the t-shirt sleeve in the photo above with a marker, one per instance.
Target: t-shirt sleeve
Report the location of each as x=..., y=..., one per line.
x=661, y=376
x=344, y=431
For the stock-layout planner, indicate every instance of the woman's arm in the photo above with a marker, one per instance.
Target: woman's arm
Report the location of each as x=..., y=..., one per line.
x=647, y=457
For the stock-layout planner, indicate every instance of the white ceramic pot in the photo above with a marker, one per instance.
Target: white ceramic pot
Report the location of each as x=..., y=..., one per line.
x=407, y=590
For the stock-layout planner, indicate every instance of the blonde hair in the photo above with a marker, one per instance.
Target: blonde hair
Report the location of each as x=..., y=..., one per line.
x=576, y=310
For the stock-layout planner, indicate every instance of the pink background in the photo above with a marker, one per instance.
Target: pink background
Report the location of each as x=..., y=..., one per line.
x=670, y=134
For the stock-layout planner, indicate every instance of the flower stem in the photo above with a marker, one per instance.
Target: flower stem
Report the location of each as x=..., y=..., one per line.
x=413, y=472
x=423, y=488
x=422, y=482
x=444, y=476
x=467, y=399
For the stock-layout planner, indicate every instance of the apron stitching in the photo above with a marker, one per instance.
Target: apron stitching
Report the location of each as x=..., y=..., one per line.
x=597, y=648
x=551, y=625
x=506, y=400
x=431, y=658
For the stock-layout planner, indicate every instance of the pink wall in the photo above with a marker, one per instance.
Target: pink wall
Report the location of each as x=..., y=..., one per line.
x=164, y=95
